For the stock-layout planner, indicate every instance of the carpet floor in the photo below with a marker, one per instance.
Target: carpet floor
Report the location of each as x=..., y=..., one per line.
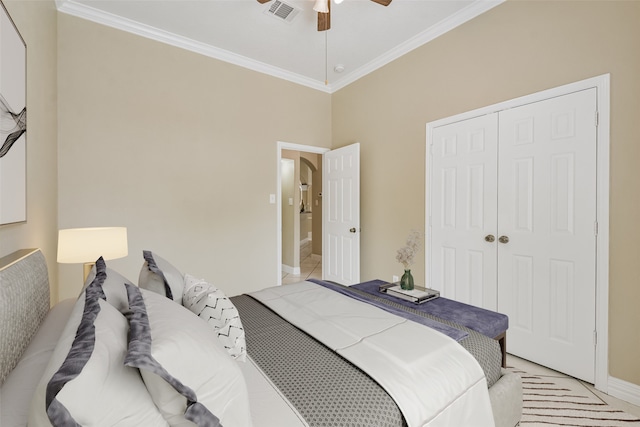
x=552, y=399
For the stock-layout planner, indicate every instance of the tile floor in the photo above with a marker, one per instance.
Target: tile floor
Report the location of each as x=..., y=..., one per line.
x=310, y=267
x=541, y=370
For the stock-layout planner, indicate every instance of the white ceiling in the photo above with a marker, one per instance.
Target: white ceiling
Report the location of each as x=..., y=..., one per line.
x=363, y=36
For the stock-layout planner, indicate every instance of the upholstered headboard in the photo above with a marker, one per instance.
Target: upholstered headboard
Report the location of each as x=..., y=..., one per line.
x=24, y=302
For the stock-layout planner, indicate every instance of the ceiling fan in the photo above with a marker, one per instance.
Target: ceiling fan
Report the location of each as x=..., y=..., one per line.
x=323, y=7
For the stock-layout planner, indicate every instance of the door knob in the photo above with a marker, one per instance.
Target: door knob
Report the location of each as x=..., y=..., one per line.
x=490, y=238
x=503, y=239
x=352, y=230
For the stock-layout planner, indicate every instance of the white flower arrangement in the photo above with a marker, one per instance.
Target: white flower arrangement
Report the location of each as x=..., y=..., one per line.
x=406, y=253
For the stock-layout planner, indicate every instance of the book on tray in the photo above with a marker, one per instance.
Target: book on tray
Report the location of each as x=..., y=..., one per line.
x=416, y=295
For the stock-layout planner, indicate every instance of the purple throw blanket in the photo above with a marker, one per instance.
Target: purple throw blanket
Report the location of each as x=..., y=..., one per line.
x=487, y=322
x=450, y=331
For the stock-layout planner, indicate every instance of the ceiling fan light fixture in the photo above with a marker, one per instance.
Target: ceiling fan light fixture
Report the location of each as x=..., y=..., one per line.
x=338, y=1
x=321, y=6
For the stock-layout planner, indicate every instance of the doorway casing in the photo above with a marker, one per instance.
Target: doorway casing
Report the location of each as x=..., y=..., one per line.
x=281, y=145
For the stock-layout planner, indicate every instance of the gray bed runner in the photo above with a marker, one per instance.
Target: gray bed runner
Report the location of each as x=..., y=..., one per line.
x=327, y=390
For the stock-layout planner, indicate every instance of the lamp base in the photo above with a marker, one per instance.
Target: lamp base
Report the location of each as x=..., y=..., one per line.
x=86, y=270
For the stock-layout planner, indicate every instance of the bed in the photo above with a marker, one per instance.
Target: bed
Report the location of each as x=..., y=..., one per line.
x=174, y=350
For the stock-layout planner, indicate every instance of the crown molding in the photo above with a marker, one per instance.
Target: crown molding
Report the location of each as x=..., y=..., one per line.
x=89, y=13
x=78, y=10
x=473, y=10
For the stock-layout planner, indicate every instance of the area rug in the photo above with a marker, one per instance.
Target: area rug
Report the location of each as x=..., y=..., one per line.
x=559, y=401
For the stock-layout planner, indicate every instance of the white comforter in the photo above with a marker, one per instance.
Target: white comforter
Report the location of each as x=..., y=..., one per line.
x=433, y=379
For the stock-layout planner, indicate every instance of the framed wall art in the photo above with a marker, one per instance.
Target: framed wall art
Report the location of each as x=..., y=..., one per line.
x=13, y=122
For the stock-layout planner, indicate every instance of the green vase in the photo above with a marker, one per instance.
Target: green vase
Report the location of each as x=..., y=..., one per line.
x=406, y=282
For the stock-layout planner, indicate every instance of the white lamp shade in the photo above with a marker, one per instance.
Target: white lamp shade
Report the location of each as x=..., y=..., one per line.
x=80, y=245
x=321, y=6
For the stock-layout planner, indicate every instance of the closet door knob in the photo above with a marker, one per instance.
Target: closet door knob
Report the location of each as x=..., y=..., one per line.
x=503, y=239
x=352, y=230
x=490, y=238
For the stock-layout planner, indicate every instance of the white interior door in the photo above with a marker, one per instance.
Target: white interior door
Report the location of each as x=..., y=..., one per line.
x=547, y=209
x=463, y=215
x=341, y=215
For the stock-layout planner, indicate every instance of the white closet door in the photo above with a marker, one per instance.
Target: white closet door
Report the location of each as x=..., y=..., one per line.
x=464, y=201
x=547, y=210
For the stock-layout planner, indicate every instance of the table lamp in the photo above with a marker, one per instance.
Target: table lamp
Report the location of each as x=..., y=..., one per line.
x=86, y=245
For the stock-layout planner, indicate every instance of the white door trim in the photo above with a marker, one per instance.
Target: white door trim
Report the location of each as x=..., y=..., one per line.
x=281, y=145
x=602, y=84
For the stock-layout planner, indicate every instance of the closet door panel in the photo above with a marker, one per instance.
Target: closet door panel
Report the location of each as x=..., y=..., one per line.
x=547, y=209
x=464, y=202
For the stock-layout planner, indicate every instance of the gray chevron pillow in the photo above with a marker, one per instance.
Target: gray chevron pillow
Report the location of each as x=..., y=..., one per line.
x=212, y=305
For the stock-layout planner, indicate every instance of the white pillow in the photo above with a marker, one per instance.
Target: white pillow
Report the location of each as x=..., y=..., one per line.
x=188, y=373
x=212, y=305
x=159, y=276
x=86, y=381
x=112, y=284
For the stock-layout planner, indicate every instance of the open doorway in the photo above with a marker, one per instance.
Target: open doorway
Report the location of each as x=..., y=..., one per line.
x=299, y=202
x=301, y=189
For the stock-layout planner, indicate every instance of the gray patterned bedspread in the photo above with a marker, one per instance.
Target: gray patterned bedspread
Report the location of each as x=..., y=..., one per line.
x=327, y=390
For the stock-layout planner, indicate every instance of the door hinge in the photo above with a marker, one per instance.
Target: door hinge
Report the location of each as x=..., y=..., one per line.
x=595, y=338
x=597, y=117
x=595, y=228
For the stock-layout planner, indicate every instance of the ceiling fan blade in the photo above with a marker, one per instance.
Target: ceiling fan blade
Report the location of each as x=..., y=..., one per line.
x=382, y=2
x=263, y=1
x=324, y=19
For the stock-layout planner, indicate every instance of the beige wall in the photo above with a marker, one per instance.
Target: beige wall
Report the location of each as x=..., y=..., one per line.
x=36, y=22
x=295, y=225
x=517, y=48
x=178, y=147
x=290, y=215
x=316, y=200
x=151, y=137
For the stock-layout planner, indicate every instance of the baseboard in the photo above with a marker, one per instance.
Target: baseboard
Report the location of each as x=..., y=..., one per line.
x=291, y=270
x=624, y=390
